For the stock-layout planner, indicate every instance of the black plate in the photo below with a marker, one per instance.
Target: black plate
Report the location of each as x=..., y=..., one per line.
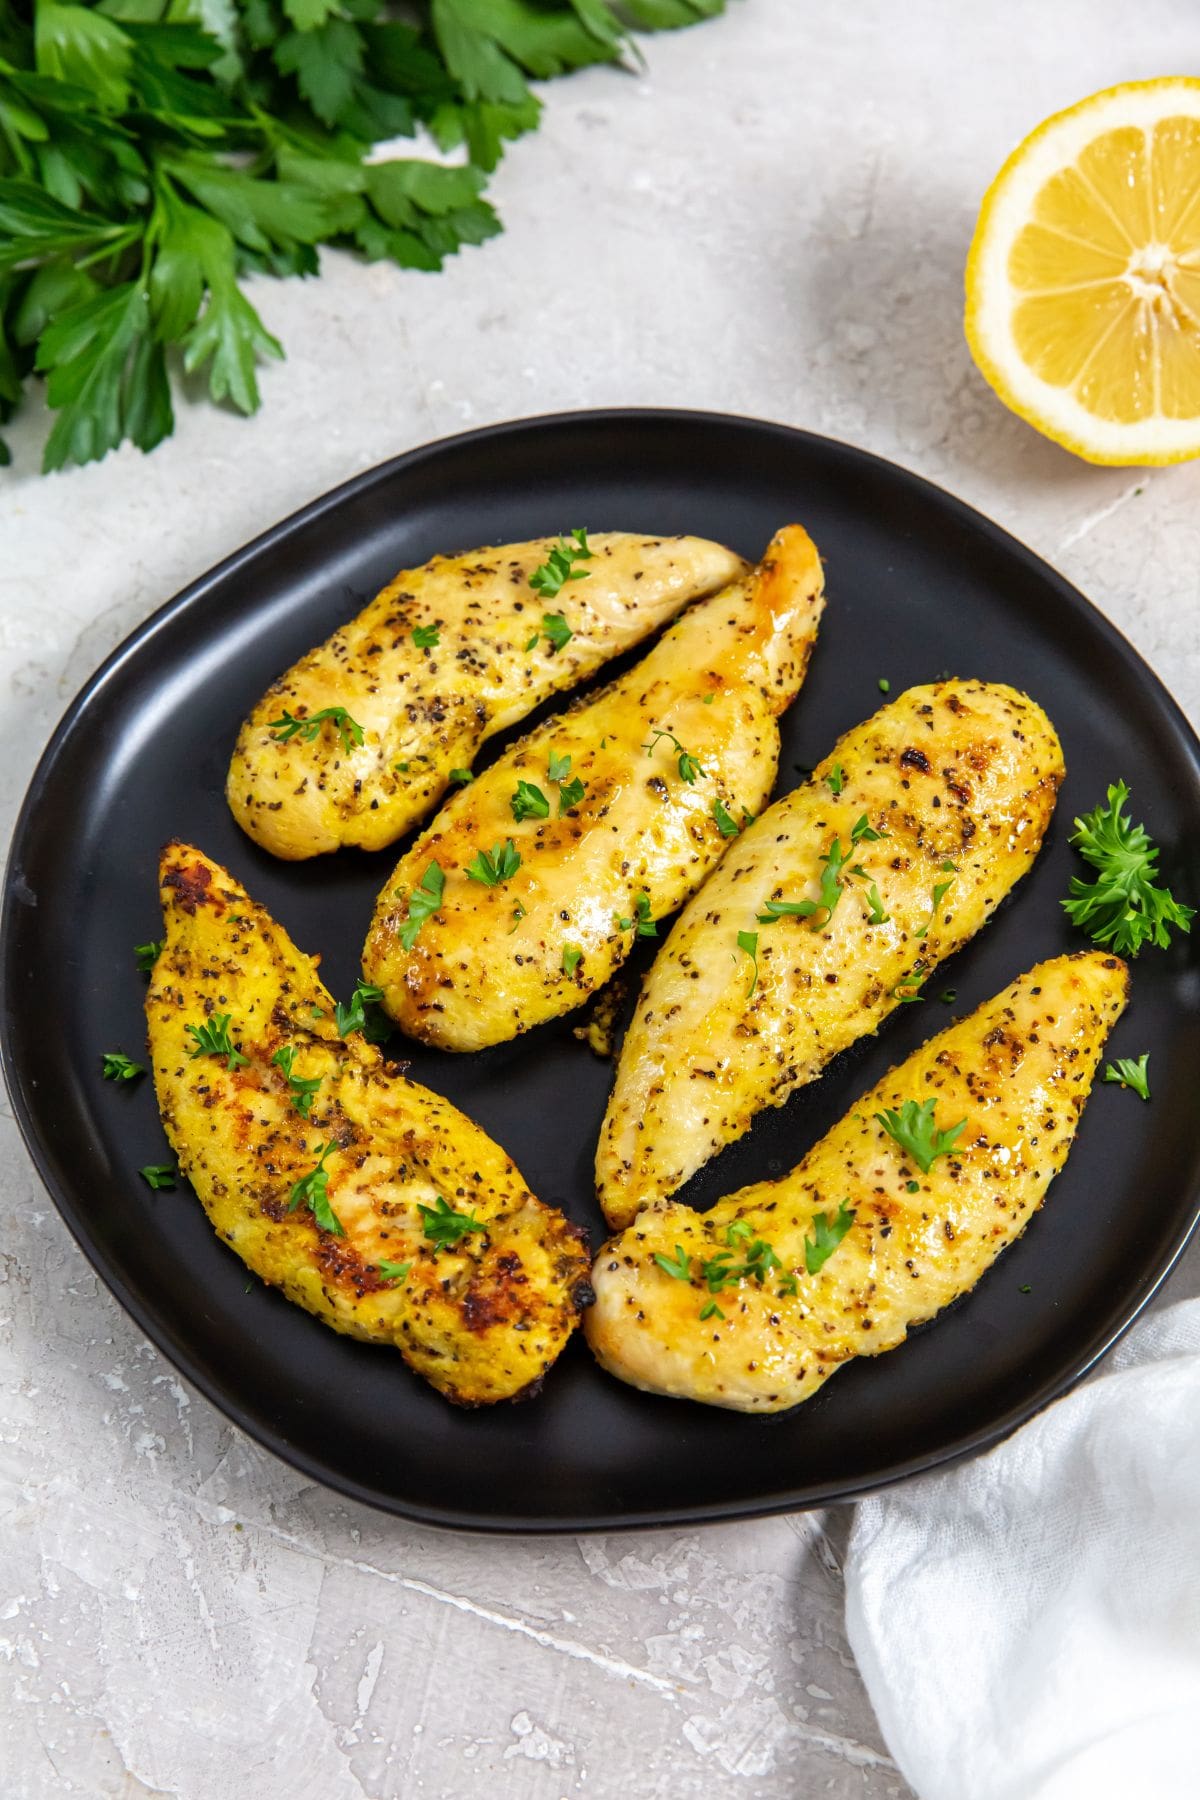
x=918, y=585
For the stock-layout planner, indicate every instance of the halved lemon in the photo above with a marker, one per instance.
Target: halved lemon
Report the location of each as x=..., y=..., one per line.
x=1083, y=281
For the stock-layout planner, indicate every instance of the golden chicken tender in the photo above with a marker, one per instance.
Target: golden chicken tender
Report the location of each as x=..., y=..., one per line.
x=361, y=737
x=366, y=1199
x=833, y=909
x=899, y=1210
x=532, y=885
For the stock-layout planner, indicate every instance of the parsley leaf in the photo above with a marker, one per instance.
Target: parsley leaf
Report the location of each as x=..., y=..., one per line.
x=148, y=954
x=119, y=1068
x=303, y=1088
x=461, y=776
x=570, y=793
x=822, y=910
x=493, y=866
x=423, y=901
x=394, y=1271
x=158, y=1175
x=1123, y=908
x=748, y=941
x=426, y=637
x=827, y=1233
x=835, y=779
x=688, y=766
x=445, y=1226
x=529, y=802
x=726, y=825
x=570, y=958
x=876, y=916
x=353, y=1016
x=559, y=567
x=914, y=1129
x=1131, y=1073
x=349, y=730
x=312, y=1190
x=212, y=1039
x=641, y=918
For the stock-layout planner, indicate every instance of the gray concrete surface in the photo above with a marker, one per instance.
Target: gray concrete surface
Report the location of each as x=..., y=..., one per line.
x=772, y=219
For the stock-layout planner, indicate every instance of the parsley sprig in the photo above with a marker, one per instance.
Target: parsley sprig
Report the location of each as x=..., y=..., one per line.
x=570, y=791
x=423, y=901
x=914, y=1128
x=116, y=1067
x=153, y=156
x=212, y=1039
x=689, y=768
x=493, y=866
x=309, y=727
x=549, y=577
x=445, y=1226
x=1123, y=908
x=640, y=918
x=529, y=802
x=1131, y=1073
x=148, y=954
x=828, y=1230
x=312, y=1190
x=303, y=1088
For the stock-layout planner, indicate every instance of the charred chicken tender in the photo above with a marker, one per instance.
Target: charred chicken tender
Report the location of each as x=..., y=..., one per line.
x=363, y=735
x=899, y=1210
x=532, y=885
x=366, y=1199
x=832, y=909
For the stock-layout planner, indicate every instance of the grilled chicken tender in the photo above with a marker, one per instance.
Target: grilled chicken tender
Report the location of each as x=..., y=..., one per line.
x=962, y=778
x=1015, y=1073
x=669, y=756
x=422, y=709
x=481, y=1313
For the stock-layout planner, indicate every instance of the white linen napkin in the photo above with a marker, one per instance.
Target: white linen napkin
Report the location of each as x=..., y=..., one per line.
x=1028, y=1625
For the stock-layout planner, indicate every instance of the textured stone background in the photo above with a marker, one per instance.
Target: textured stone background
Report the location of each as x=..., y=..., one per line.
x=772, y=219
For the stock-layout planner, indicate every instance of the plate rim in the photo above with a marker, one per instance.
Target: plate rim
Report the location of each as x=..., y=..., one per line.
x=74, y=1216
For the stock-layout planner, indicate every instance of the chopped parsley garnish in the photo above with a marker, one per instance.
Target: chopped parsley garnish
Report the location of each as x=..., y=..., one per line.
x=312, y=1190
x=863, y=832
x=641, y=918
x=445, y=1226
x=570, y=958
x=916, y=1132
x=493, y=866
x=1123, y=908
x=158, y=1175
x=726, y=824
x=557, y=632
x=912, y=1187
x=402, y=766
x=948, y=996
x=423, y=901
x=394, y=1271
x=119, y=1068
x=885, y=686
x=876, y=916
x=908, y=988
x=721, y=1271
x=1131, y=1074
x=426, y=637
x=836, y=779
x=303, y=1089
x=518, y=913
x=559, y=567
x=831, y=893
x=940, y=890
x=348, y=729
x=529, y=802
x=570, y=793
x=748, y=941
x=148, y=954
x=708, y=699
x=212, y=1039
x=828, y=1230
x=353, y=1016
x=687, y=764
x=710, y=1307
x=462, y=776
x=680, y=1268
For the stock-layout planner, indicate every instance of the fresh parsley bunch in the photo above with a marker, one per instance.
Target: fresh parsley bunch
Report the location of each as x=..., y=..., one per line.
x=154, y=152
